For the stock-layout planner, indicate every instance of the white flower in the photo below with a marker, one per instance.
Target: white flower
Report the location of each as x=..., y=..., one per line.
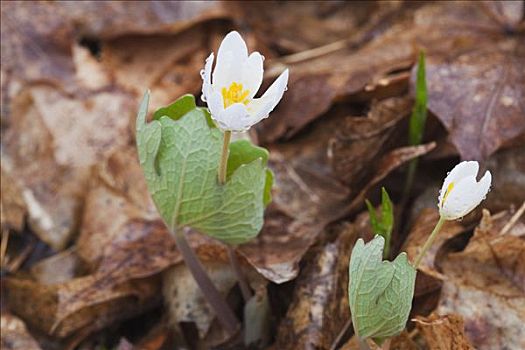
x=236, y=79
x=460, y=192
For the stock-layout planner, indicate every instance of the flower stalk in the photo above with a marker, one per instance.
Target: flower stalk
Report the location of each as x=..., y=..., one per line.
x=223, y=165
x=430, y=241
x=222, y=310
x=243, y=283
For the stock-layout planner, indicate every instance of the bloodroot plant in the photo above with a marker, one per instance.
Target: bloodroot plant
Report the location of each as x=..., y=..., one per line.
x=380, y=292
x=196, y=177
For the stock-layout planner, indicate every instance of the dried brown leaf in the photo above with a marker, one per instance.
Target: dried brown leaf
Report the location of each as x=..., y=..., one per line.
x=84, y=130
x=185, y=300
x=478, y=96
x=166, y=64
x=36, y=42
x=320, y=304
x=12, y=205
x=332, y=22
x=51, y=193
x=443, y=332
x=15, y=335
x=50, y=147
x=508, y=176
x=306, y=197
x=361, y=140
x=58, y=268
x=386, y=164
x=485, y=285
x=86, y=302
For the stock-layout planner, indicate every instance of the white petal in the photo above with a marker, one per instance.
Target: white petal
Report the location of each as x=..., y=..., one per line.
x=463, y=169
x=465, y=196
x=216, y=105
x=235, y=118
x=231, y=56
x=252, y=74
x=206, y=77
x=260, y=108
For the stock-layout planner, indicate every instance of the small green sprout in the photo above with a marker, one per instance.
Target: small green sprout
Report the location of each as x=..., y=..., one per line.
x=384, y=224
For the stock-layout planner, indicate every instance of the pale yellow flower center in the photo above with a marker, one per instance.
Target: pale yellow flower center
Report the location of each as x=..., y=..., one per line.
x=447, y=192
x=234, y=94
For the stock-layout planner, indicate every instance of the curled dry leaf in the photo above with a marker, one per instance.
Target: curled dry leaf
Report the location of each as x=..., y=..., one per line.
x=478, y=96
x=443, y=332
x=473, y=65
x=508, y=187
x=50, y=147
x=306, y=197
x=51, y=193
x=15, y=335
x=12, y=205
x=37, y=37
x=476, y=88
x=166, y=64
x=307, y=98
x=317, y=83
x=70, y=122
x=85, y=302
x=384, y=166
x=360, y=140
x=112, y=19
x=330, y=19
x=486, y=285
x=36, y=43
x=124, y=251
x=185, y=300
x=117, y=196
x=319, y=307
x=58, y=268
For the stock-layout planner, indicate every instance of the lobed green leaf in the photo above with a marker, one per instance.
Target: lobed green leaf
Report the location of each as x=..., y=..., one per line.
x=380, y=292
x=179, y=153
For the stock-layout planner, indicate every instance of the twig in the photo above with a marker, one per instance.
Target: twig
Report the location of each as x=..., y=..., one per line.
x=513, y=220
x=341, y=334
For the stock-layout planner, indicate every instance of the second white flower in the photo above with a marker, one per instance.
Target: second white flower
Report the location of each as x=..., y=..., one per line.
x=461, y=193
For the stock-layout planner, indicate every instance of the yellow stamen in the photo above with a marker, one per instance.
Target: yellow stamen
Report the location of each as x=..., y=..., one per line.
x=234, y=94
x=447, y=192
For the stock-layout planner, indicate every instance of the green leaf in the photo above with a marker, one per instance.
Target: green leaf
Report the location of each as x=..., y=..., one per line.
x=179, y=155
x=267, y=197
x=244, y=152
x=177, y=109
x=380, y=292
x=384, y=224
x=180, y=107
x=419, y=113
